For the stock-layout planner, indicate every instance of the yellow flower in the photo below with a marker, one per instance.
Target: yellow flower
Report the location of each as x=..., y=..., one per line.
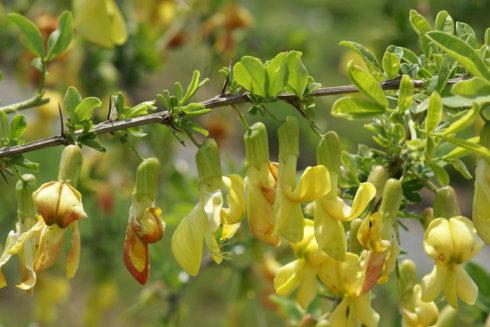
x=330, y=210
x=419, y=313
x=302, y=273
x=450, y=242
x=313, y=184
x=261, y=185
x=376, y=234
x=204, y=220
x=347, y=279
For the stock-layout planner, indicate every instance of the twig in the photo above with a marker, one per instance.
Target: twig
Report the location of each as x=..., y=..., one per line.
x=35, y=101
x=165, y=118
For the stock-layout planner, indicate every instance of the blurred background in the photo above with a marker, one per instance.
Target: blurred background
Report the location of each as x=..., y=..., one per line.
x=167, y=40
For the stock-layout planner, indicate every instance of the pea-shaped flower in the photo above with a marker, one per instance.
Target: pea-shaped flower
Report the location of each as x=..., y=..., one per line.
x=347, y=280
x=209, y=214
x=58, y=201
x=144, y=224
x=261, y=185
x=450, y=242
x=313, y=184
x=302, y=273
x=60, y=205
x=331, y=211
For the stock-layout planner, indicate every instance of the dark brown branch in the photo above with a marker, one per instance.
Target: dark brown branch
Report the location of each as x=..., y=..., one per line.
x=163, y=117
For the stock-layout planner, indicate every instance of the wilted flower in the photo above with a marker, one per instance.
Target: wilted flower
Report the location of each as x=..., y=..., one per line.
x=60, y=205
x=450, y=242
x=202, y=223
x=144, y=225
x=313, y=184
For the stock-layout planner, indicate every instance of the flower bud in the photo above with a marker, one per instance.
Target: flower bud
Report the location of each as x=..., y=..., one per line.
x=446, y=203
x=256, y=146
x=427, y=217
x=481, y=197
x=378, y=177
x=209, y=165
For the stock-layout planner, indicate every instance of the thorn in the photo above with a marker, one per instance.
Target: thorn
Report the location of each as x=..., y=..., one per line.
x=62, y=122
x=109, y=112
x=223, y=90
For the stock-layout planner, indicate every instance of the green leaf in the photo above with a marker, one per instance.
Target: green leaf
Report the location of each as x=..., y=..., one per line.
x=440, y=173
x=23, y=162
x=461, y=52
x=18, y=126
x=460, y=167
x=366, y=55
x=405, y=93
x=86, y=107
x=463, y=122
x=356, y=107
x=406, y=54
x=444, y=22
x=277, y=74
x=434, y=112
x=71, y=100
x=32, y=37
x=38, y=64
x=192, y=107
x=456, y=101
x=179, y=91
x=142, y=108
x=297, y=73
x=472, y=88
x=367, y=84
x=466, y=33
x=250, y=74
x=193, y=86
x=468, y=145
x=60, y=39
x=419, y=23
x=199, y=129
x=391, y=64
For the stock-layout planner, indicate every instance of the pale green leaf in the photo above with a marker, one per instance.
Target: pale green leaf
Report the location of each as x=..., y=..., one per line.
x=367, y=84
x=297, y=73
x=86, y=107
x=60, y=39
x=405, y=93
x=391, y=64
x=32, y=37
x=356, y=107
x=461, y=52
x=366, y=55
x=250, y=74
x=277, y=74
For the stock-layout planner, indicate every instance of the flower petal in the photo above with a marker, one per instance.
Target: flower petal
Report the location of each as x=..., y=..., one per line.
x=288, y=277
x=289, y=220
x=466, y=242
x=307, y=289
x=438, y=241
x=329, y=233
x=313, y=184
x=235, y=199
x=49, y=249
x=465, y=286
x=136, y=255
x=449, y=288
x=70, y=207
x=73, y=258
x=365, y=193
x=47, y=198
x=364, y=312
x=188, y=238
x=340, y=314
x=212, y=208
x=433, y=282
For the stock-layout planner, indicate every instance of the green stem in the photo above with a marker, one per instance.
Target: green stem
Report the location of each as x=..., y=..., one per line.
x=241, y=117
